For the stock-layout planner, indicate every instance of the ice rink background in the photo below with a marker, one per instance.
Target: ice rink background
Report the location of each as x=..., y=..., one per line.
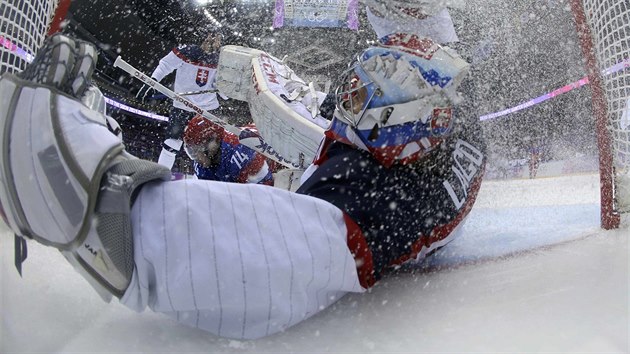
x=533, y=272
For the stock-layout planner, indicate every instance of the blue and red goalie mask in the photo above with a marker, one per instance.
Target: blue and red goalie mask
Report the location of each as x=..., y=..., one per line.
x=396, y=100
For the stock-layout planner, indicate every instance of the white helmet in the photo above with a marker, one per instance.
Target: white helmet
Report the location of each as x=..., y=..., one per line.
x=396, y=99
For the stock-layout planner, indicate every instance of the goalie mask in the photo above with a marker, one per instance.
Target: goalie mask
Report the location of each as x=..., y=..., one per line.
x=396, y=98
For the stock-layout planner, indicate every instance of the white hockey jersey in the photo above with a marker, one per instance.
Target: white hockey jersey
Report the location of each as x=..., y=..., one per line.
x=195, y=71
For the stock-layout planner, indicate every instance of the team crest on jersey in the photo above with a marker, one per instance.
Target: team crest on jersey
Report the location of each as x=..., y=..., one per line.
x=202, y=77
x=441, y=120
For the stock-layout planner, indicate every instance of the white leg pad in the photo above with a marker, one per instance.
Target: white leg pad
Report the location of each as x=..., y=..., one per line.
x=54, y=152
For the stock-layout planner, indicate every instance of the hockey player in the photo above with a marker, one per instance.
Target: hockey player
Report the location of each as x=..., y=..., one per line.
x=218, y=155
x=395, y=179
x=195, y=71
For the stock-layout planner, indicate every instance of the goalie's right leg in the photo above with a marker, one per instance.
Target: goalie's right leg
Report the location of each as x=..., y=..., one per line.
x=65, y=180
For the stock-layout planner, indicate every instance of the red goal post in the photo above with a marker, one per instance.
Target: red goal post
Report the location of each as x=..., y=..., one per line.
x=603, y=28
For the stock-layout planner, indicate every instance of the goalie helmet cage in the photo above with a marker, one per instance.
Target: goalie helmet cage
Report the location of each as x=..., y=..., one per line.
x=603, y=27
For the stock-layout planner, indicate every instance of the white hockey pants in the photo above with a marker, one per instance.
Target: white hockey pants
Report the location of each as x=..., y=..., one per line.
x=238, y=260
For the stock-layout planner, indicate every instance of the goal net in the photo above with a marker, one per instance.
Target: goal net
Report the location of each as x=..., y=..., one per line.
x=604, y=30
x=23, y=28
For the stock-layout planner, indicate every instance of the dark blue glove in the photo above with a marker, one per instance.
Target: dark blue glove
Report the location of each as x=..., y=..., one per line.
x=145, y=92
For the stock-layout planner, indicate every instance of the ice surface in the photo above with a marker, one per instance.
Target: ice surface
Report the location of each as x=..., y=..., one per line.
x=532, y=273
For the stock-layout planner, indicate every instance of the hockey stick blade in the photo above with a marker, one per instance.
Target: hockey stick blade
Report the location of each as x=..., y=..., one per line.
x=246, y=137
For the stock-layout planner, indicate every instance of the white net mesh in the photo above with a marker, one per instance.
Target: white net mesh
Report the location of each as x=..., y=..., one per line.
x=610, y=25
x=23, y=28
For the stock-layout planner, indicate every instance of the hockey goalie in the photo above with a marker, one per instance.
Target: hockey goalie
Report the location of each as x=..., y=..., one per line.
x=393, y=177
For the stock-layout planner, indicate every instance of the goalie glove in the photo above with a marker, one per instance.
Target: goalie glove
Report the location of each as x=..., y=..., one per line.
x=65, y=180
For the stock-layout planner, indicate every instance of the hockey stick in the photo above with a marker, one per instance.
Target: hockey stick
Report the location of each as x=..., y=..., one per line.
x=162, y=96
x=245, y=137
x=197, y=92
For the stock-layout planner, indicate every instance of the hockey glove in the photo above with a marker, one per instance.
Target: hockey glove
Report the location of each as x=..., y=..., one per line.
x=145, y=93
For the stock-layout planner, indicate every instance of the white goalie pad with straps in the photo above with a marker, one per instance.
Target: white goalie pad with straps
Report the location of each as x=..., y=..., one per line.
x=292, y=126
x=284, y=107
x=65, y=179
x=234, y=71
x=49, y=173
